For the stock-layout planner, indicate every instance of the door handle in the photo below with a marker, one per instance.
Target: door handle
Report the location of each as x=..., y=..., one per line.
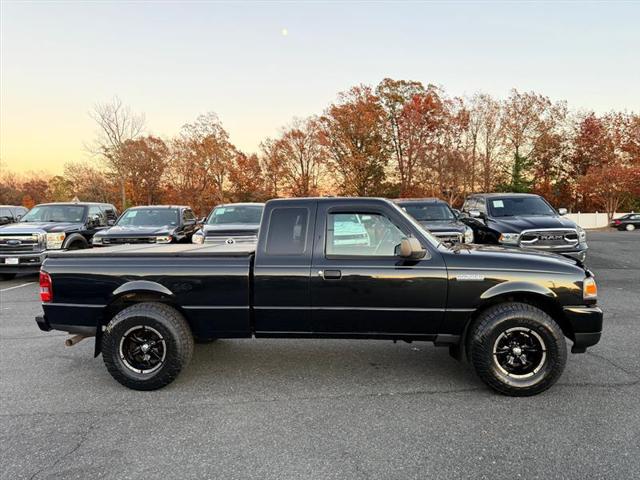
x=330, y=274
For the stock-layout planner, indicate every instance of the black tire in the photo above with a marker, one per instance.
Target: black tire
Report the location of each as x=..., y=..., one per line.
x=8, y=276
x=164, y=332
x=517, y=349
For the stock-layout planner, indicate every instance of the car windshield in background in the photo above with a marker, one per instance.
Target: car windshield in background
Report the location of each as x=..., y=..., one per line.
x=429, y=212
x=149, y=217
x=55, y=213
x=236, y=214
x=519, y=206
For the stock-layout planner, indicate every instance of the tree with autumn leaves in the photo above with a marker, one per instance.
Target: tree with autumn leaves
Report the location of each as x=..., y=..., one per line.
x=399, y=139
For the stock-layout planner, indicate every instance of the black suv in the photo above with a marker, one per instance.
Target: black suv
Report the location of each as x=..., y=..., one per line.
x=523, y=220
x=11, y=213
x=150, y=224
x=439, y=218
x=50, y=226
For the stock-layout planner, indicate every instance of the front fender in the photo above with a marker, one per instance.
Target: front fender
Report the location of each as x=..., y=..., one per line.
x=517, y=287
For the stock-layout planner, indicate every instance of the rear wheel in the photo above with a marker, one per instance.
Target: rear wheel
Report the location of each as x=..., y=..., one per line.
x=517, y=349
x=147, y=345
x=630, y=227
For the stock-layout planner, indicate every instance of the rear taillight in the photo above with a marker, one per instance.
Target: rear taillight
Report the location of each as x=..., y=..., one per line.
x=617, y=222
x=46, y=290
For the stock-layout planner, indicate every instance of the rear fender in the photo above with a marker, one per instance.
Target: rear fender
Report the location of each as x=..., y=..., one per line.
x=136, y=290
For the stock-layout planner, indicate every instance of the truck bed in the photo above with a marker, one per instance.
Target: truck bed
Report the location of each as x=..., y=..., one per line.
x=209, y=283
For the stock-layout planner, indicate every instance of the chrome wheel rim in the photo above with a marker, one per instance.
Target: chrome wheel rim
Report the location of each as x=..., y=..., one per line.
x=519, y=352
x=142, y=349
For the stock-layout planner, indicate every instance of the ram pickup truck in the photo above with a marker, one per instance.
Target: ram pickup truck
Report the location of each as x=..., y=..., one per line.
x=523, y=220
x=313, y=274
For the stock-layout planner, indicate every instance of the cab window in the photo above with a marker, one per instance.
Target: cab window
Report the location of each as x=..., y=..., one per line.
x=96, y=210
x=361, y=234
x=287, y=234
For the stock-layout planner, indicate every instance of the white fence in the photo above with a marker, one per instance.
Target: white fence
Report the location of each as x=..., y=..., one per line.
x=591, y=220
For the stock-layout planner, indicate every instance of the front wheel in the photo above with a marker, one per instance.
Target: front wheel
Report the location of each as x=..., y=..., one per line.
x=146, y=346
x=517, y=349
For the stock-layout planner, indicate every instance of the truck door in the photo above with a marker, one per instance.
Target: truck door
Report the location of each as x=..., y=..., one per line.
x=360, y=287
x=282, y=299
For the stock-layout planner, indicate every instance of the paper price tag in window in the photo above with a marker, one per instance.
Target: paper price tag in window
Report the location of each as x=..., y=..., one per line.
x=498, y=204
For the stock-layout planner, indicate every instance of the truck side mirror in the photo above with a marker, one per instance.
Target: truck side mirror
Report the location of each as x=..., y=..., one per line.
x=562, y=211
x=411, y=249
x=475, y=213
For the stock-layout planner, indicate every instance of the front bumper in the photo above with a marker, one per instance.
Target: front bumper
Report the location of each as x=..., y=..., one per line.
x=586, y=324
x=26, y=262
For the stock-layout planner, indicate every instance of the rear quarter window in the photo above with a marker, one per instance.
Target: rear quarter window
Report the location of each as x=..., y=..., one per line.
x=287, y=234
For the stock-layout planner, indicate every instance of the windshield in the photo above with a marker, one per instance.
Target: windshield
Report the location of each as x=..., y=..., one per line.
x=429, y=212
x=519, y=206
x=242, y=214
x=56, y=213
x=149, y=217
x=434, y=241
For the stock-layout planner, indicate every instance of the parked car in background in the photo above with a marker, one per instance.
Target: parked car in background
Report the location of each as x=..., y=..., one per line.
x=628, y=222
x=150, y=224
x=508, y=311
x=50, y=226
x=523, y=220
x=11, y=213
x=439, y=218
x=231, y=223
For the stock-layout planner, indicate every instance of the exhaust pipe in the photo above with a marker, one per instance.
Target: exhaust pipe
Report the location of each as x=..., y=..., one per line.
x=70, y=342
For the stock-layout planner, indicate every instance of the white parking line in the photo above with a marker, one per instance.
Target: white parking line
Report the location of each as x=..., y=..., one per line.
x=17, y=286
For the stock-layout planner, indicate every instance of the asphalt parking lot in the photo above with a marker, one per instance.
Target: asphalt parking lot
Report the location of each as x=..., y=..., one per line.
x=279, y=409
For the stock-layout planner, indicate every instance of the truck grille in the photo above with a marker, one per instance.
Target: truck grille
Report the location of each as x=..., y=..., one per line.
x=231, y=239
x=451, y=238
x=20, y=244
x=123, y=240
x=549, y=239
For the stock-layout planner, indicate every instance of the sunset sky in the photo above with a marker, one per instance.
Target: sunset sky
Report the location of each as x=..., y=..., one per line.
x=258, y=65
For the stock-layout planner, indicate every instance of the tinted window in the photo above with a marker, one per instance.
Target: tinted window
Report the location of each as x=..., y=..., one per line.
x=362, y=234
x=519, y=206
x=96, y=210
x=56, y=213
x=110, y=212
x=188, y=216
x=424, y=212
x=149, y=217
x=287, y=233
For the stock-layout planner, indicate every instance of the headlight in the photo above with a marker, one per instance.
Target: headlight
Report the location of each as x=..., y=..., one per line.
x=96, y=240
x=198, y=237
x=163, y=239
x=55, y=240
x=509, y=238
x=582, y=235
x=468, y=235
x=589, y=289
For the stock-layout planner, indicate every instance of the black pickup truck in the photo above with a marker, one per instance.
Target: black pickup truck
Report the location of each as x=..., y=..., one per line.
x=50, y=227
x=326, y=268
